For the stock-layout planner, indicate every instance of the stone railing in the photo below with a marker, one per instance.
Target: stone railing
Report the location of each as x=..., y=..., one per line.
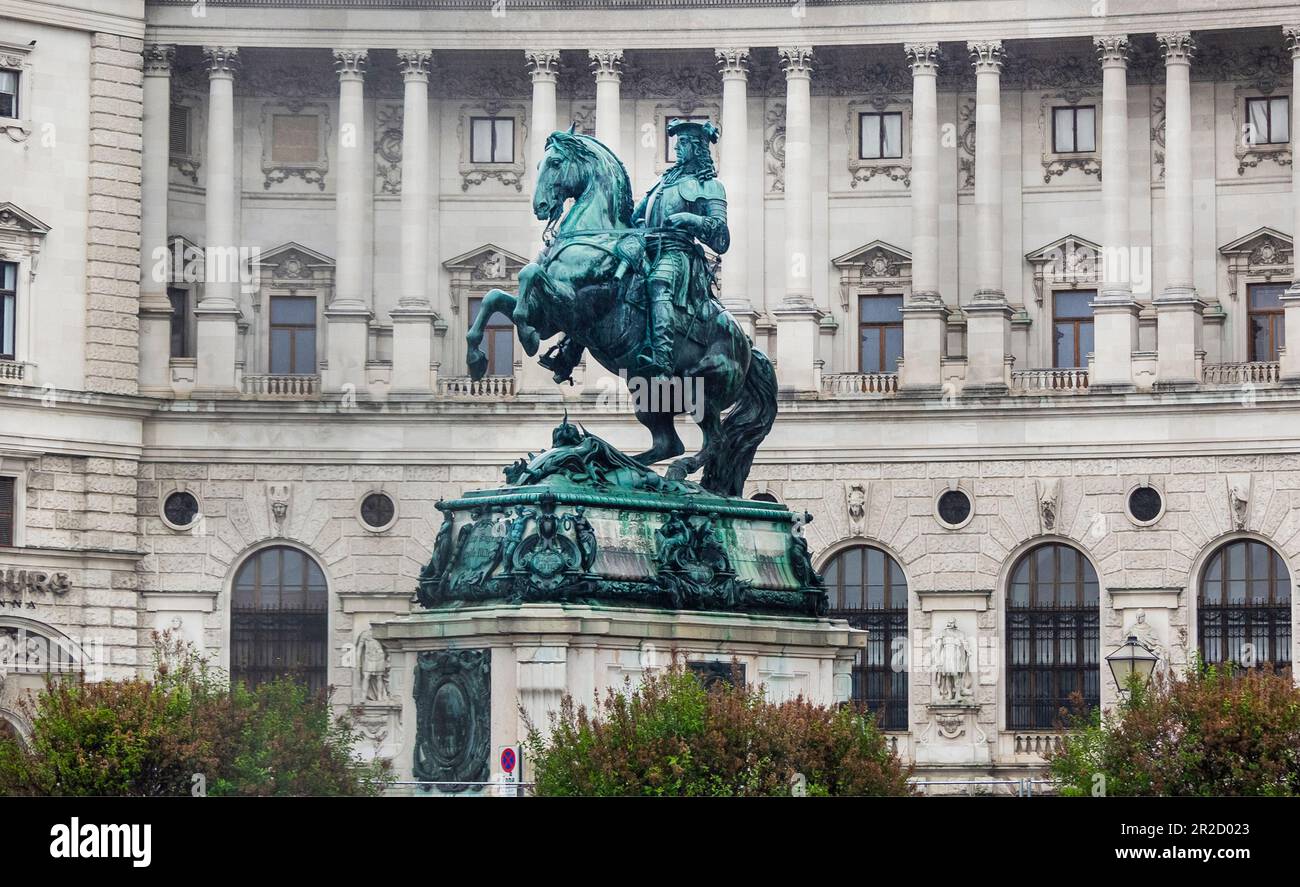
x=487, y=388
x=275, y=386
x=1050, y=380
x=1259, y=373
x=12, y=371
x=1036, y=743
x=859, y=384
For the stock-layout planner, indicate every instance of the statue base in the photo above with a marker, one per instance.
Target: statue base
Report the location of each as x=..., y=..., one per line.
x=467, y=675
x=953, y=735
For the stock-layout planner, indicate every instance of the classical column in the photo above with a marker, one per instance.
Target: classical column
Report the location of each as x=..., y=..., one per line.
x=988, y=324
x=155, y=309
x=798, y=318
x=732, y=63
x=1114, y=312
x=925, y=318
x=544, y=68
x=414, y=315
x=1291, y=298
x=607, y=64
x=348, y=315
x=217, y=315
x=1178, y=310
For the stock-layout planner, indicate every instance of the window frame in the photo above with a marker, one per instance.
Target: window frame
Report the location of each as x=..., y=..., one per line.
x=1074, y=129
x=492, y=153
x=250, y=625
x=862, y=115
x=293, y=329
x=9, y=486
x=1081, y=358
x=7, y=318
x=883, y=328
x=886, y=620
x=17, y=94
x=1085, y=626
x=1281, y=622
x=489, y=343
x=1276, y=325
x=1267, y=101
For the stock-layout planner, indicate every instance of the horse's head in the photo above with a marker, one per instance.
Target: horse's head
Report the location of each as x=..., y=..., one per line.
x=571, y=164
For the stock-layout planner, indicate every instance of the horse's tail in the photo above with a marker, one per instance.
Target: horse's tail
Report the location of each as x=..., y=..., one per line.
x=743, y=430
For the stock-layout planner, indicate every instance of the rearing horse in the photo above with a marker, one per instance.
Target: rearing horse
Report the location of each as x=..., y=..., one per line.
x=575, y=287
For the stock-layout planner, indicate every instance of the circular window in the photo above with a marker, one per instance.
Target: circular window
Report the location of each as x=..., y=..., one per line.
x=954, y=507
x=181, y=509
x=763, y=497
x=378, y=511
x=1145, y=504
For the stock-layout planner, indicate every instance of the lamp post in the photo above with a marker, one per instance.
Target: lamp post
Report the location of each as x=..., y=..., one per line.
x=1130, y=660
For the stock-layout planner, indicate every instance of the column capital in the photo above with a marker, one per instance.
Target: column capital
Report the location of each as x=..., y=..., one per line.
x=607, y=64
x=1112, y=50
x=922, y=57
x=158, y=58
x=1291, y=34
x=797, y=61
x=414, y=63
x=987, y=56
x=350, y=63
x=543, y=64
x=733, y=62
x=223, y=61
x=1177, y=46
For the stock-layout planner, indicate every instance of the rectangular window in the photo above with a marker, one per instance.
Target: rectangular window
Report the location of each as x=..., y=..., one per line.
x=8, y=308
x=1265, y=321
x=180, y=321
x=293, y=335
x=179, y=131
x=880, y=333
x=492, y=140
x=670, y=142
x=880, y=135
x=498, y=340
x=295, y=138
x=8, y=93
x=7, y=510
x=1074, y=129
x=1072, y=327
x=1268, y=120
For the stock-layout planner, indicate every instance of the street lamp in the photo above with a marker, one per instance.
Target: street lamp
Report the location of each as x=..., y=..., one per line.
x=1130, y=659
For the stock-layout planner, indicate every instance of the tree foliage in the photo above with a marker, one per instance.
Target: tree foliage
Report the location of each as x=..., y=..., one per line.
x=1212, y=732
x=186, y=731
x=672, y=737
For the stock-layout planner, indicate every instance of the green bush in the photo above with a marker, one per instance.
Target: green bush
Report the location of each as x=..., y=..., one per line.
x=150, y=738
x=671, y=737
x=1211, y=732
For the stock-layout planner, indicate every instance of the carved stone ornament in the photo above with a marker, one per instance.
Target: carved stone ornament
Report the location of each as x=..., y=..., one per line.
x=1239, y=500
x=774, y=148
x=388, y=147
x=855, y=500
x=1264, y=255
x=312, y=172
x=372, y=668
x=1049, y=494
x=277, y=499
x=863, y=170
x=453, y=716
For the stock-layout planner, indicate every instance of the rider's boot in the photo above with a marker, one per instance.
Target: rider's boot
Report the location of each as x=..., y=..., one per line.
x=661, y=330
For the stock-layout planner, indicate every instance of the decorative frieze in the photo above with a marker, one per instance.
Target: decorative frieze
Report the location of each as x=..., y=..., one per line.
x=388, y=147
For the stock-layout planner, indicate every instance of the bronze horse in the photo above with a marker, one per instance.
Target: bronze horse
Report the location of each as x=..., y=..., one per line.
x=581, y=285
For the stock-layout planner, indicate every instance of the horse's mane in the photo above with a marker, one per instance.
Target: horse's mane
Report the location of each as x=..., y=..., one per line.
x=578, y=146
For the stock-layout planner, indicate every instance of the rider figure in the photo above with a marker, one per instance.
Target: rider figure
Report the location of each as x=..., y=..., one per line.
x=686, y=205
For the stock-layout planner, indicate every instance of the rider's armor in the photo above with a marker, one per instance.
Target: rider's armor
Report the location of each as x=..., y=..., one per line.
x=671, y=251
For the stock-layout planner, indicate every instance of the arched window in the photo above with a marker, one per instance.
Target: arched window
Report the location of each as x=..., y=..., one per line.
x=1053, y=636
x=1243, y=611
x=278, y=619
x=867, y=587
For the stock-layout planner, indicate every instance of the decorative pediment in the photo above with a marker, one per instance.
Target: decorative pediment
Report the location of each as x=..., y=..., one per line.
x=1264, y=254
x=294, y=264
x=486, y=263
x=1068, y=261
x=1263, y=246
x=13, y=218
x=877, y=260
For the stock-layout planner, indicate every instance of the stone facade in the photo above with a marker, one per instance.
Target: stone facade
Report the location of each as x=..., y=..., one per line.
x=100, y=421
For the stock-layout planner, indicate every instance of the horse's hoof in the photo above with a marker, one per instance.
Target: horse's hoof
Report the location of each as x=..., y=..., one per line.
x=530, y=340
x=478, y=363
x=679, y=469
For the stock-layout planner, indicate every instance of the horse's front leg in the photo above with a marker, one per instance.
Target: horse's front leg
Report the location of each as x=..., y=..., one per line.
x=493, y=301
x=536, y=288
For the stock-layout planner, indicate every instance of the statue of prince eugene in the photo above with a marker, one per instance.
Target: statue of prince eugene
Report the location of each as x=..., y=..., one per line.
x=582, y=521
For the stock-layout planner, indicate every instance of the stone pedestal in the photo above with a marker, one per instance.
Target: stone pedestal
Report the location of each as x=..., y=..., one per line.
x=483, y=664
x=412, y=348
x=988, y=342
x=798, y=326
x=953, y=735
x=347, y=327
x=925, y=326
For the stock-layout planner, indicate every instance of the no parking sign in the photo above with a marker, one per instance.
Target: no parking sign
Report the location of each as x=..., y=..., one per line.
x=508, y=778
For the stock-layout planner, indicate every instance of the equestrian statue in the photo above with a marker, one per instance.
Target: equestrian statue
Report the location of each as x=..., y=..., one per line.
x=633, y=288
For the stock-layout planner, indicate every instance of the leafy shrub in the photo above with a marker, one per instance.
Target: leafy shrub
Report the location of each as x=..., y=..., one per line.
x=672, y=737
x=1211, y=732
x=149, y=738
